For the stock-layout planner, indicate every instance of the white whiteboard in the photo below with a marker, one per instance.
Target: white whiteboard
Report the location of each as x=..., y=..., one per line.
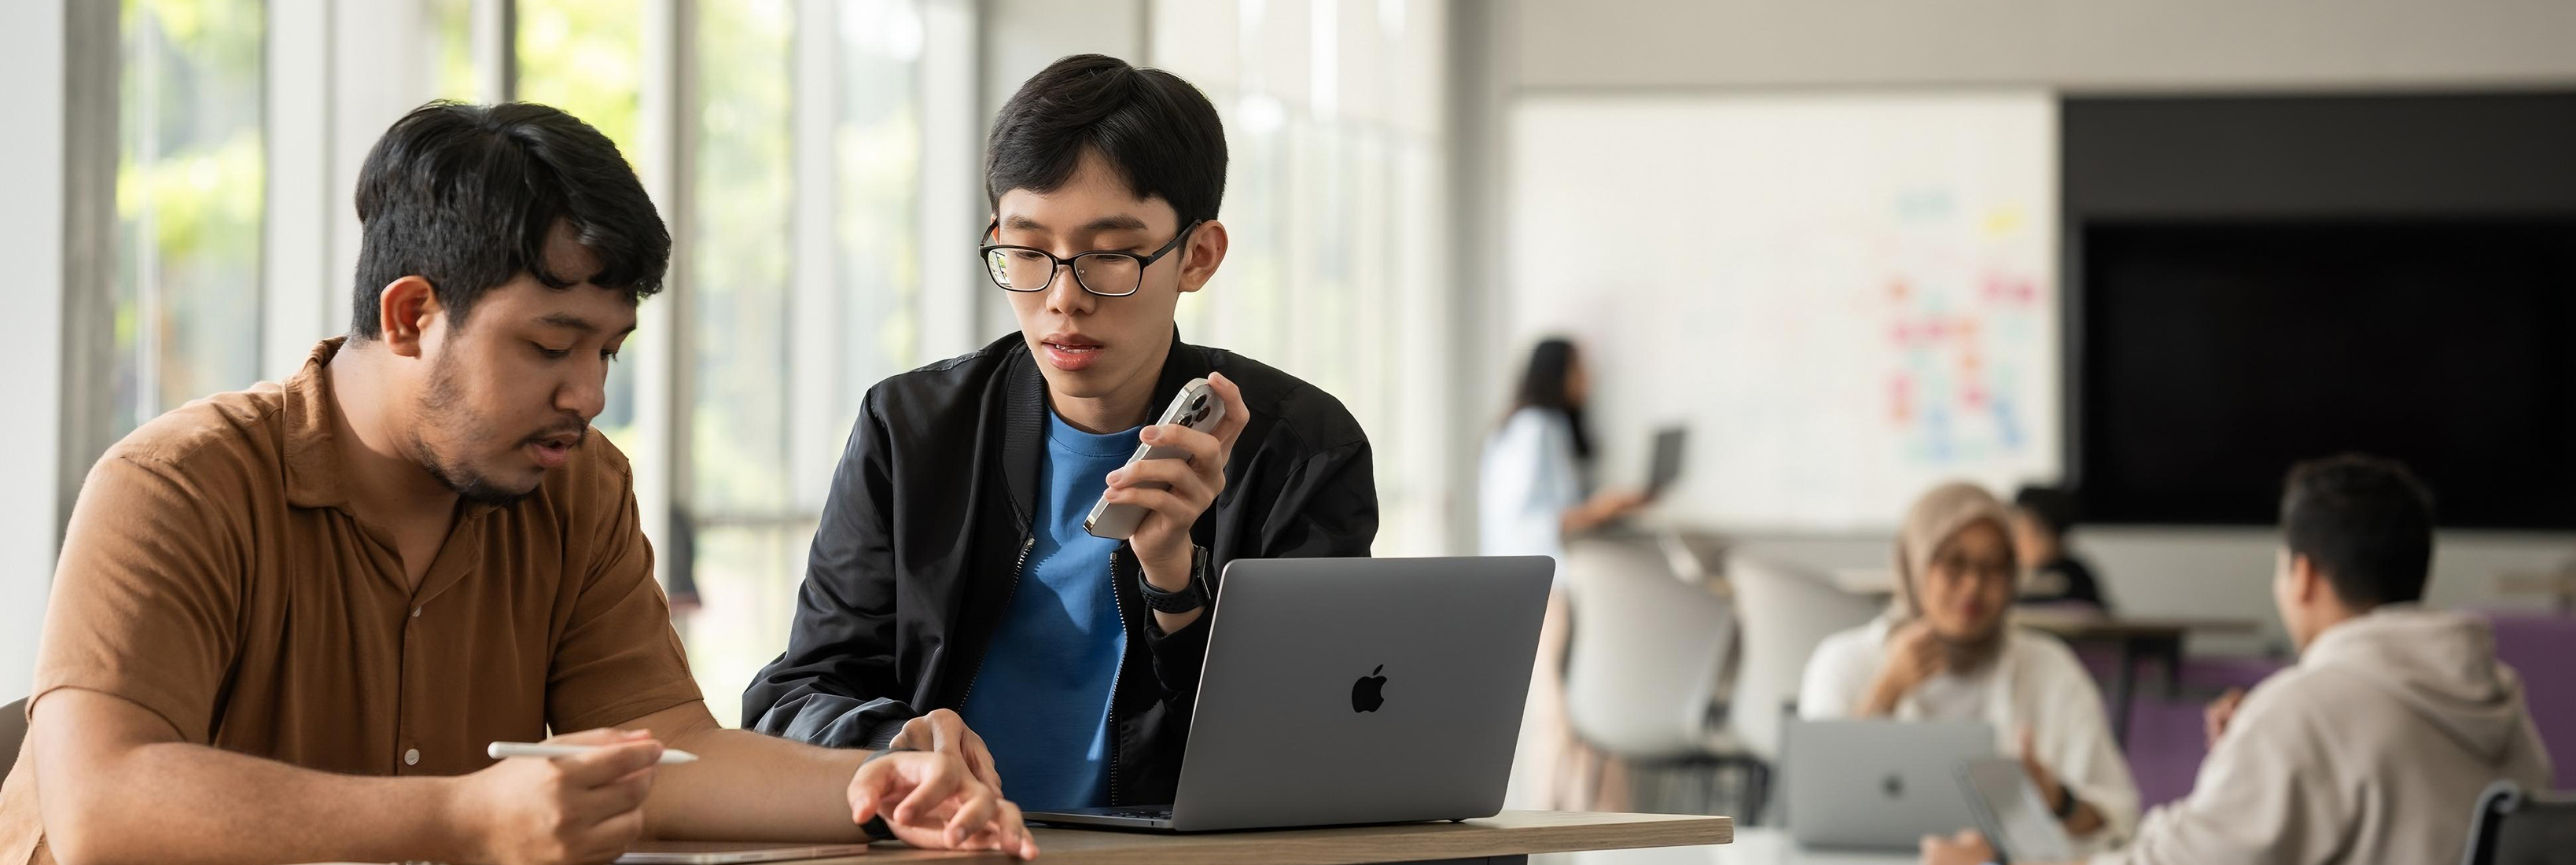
x=1847, y=297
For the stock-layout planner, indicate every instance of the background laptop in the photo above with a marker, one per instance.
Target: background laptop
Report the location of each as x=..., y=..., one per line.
x=1879, y=784
x=1340, y=691
x=1666, y=465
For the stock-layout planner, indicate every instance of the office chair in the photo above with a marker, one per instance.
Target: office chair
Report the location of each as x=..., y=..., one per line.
x=2512, y=826
x=1786, y=612
x=1649, y=665
x=13, y=731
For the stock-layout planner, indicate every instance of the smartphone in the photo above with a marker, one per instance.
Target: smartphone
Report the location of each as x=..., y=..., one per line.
x=1196, y=407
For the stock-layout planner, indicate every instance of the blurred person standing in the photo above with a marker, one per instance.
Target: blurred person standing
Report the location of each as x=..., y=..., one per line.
x=1536, y=490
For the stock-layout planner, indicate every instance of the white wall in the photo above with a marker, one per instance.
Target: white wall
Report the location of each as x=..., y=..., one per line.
x=31, y=240
x=1617, y=49
x=2095, y=44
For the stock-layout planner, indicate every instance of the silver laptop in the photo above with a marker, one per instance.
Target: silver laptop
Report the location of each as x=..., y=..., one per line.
x=1665, y=466
x=1347, y=691
x=1879, y=784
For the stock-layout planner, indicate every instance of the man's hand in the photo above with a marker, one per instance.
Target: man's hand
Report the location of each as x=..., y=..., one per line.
x=932, y=802
x=2220, y=713
x=942, y=731
x=1162, y=540
x=547, y=810
x=1966, y=848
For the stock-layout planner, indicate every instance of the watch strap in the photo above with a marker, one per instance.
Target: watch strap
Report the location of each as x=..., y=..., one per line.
x=1185, y=600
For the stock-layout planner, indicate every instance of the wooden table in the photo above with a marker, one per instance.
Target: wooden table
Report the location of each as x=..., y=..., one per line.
x=2138, y=640
x=1506, y=839
x=2559, y=587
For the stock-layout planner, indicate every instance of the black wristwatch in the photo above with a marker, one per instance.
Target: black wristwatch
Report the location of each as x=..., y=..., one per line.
x=1185, y=600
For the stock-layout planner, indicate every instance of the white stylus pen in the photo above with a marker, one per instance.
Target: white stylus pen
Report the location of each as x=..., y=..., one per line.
x=506, y=750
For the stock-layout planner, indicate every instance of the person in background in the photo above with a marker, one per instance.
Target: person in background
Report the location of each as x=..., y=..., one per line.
x=2041, y=517
x=1943, y=652
x=1536, y=490
x=2376, y=745
x=1537, y=474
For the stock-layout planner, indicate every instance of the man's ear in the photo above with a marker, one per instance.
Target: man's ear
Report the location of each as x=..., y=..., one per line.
x=2305, y=580
x=1203, y=253
x=404, y=312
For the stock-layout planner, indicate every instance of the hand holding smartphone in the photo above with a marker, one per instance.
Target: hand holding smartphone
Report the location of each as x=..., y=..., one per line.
x=1196, y=407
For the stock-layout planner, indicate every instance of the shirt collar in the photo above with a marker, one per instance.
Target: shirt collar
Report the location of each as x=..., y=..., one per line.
x=312, y=442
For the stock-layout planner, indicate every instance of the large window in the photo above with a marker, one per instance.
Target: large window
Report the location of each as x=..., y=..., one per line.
x=189, y=195
x=1331, y=110
x=805, y=267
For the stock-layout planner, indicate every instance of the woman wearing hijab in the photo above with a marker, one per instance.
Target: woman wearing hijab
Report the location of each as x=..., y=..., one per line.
x=1943, y=652
x=1536, y=491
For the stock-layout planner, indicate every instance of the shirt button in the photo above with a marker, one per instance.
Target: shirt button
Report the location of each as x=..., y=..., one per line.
x=411, y=757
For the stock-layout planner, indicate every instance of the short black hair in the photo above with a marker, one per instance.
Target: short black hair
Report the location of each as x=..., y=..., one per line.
x=1156, y=129
x=2053, y=507
x=2366, y=522
x=465, y=195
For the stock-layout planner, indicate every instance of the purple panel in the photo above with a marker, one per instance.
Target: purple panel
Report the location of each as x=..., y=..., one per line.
x=2539, y=646
x=2166, y=742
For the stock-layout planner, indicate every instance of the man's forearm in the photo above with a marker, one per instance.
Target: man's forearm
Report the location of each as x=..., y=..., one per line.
x=749, y=787
x=183, y=803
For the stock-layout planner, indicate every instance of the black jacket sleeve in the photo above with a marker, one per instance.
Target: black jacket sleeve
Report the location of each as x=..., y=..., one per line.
x=836, y=685
x=1329, y=508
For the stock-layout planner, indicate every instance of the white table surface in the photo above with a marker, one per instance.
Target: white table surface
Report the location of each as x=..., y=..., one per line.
x=1754, y=845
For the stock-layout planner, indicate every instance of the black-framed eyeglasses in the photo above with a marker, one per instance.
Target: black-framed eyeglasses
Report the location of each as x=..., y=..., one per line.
x=1108, y=273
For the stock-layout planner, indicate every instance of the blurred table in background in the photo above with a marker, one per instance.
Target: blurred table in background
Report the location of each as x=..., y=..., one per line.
x=1764, y=845
x=2137, y=639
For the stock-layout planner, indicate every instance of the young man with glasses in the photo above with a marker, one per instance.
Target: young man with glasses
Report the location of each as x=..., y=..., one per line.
x=953, y=601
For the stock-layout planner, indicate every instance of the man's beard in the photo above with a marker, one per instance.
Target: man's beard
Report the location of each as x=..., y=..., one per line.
x=441, y=409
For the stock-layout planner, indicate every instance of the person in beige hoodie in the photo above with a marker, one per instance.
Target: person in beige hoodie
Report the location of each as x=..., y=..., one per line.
x=2373, y=748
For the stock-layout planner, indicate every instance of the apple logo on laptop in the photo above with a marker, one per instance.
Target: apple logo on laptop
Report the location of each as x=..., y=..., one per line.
x=1895, y=787
x=1365, y=696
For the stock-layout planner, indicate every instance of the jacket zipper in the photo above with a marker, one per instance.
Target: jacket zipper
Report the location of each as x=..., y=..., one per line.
x=1116, y=678
x=1027, y=542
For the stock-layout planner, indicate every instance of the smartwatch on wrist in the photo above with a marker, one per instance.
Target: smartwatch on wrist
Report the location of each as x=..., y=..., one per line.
x=1185, y=600
x=2064, y=807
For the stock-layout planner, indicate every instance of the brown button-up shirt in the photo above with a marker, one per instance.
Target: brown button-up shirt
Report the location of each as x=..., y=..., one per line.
x=214, y=575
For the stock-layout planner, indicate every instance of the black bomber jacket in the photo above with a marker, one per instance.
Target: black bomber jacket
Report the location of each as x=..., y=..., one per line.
x=930, y=514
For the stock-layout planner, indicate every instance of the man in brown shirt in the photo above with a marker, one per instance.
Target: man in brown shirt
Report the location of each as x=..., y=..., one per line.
x=287, y=621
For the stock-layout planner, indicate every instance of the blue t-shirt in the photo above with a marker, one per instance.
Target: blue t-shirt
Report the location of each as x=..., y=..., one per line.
x=1041, y=701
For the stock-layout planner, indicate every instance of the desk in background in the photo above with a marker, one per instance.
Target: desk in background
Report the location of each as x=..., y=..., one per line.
x=2138, y=640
